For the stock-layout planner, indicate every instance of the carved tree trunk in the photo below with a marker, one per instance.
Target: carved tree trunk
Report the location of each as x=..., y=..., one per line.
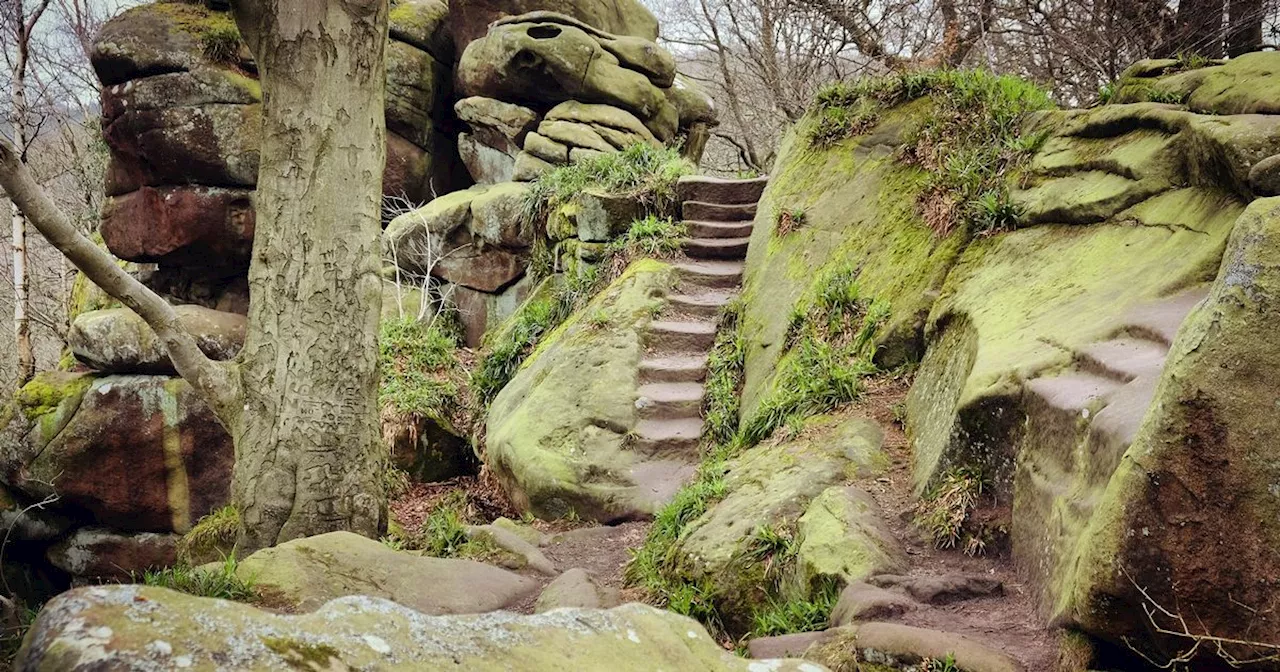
x=307, y=439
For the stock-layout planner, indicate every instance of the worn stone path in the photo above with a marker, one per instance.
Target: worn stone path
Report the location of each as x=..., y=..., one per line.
x=719, y=215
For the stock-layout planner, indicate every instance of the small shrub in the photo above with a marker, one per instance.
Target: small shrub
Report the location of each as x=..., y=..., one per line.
x=419, y=368
x=444, y=533
x=945, y=510
x=221, y=582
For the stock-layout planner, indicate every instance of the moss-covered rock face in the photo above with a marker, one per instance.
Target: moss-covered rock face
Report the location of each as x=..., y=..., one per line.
x=1192, y=512
x=557, y=433
x=784, y=505
x=129, y=627
x=859, y=213
x=1242, y=85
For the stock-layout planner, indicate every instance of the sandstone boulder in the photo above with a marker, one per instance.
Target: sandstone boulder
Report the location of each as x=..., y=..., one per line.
x=557, y=433
x=136, y=453
x=213, y=145
x=475, y=238
x=497, y=132
x=547, y=63
x=163, y=37
x=470, y=19
x=575, y=589
x=96, y=553
x=421, y=23
x=208, y=227
x=792, y=488
x=136, y=627
x=119, y=341
x=307, y=573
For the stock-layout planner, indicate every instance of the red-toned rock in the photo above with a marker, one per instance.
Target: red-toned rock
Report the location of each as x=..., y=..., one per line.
x=135, y=453
x=198, y=226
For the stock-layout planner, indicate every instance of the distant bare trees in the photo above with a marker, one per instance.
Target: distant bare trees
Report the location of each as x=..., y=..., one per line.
x=763, y=59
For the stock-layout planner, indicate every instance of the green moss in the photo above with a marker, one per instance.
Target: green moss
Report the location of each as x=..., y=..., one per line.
x=646, y=173
x=49, y=390
x=420, y=370
x=725, y=369
x=302, y=655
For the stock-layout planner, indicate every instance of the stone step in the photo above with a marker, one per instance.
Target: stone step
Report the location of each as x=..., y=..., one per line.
x=681, y=337
x=719, y=190
x=716, y=248
x=1124, y=359
x=674, y=369
x=1073, y=392
x=670, y=400
x=699, y=229
x=718, y=212
x=703, y=304
x=668, y=437
x=712, y=274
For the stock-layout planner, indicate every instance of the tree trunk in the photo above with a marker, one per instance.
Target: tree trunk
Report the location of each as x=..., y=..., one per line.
x=21, y=301
x=308, y=450
x=1245, y=32
x=1199, y=29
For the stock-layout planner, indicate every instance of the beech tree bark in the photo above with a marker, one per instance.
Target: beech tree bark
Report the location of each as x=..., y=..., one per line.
x=301, y=400
x=307, y=443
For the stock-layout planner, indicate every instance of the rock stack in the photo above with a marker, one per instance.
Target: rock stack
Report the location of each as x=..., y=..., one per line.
x=542, y=85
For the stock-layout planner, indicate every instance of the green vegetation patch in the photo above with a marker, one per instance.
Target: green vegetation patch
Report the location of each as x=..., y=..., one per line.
x=969, y=144
x=644, y=172
x=218, y=580
x=212, y=538
x=443, y=534
x=422, y=374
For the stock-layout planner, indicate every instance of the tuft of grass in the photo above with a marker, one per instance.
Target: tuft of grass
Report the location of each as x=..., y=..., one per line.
x=642, y=171
x=221, y=42
x=944, y=512
x=651, y=236
x=213, y=536
x=788, y=220
x=444, y=533
x=726, y=370
x=784, y=616
x=221, y=582
x=12, y=634
x=968, y=144
x=418, y=362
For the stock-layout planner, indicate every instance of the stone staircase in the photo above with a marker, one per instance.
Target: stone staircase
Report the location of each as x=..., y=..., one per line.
x=719, y=215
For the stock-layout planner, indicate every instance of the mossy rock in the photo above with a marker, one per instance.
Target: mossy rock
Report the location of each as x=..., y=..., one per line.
x=307, y=573
x=138, y=627
x=860, y=213
x=793, y=488
x=557, y=433
x=165, y=37
x=1191, y=512
x=421, y=23
x=1242, y=85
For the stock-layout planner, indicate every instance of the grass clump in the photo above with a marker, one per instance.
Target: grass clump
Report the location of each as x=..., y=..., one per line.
x=644, y=172
x=419, y=366
x=535, y=319
x=726, y=370
x=945, y=511
x=650, y=236
x=970, y=143
x=221, y=582
x=12, y=634
x=214, y=536
x=443, y=534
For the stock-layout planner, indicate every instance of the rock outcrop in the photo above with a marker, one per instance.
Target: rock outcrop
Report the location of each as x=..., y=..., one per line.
x=1081, y=361
x=558, y=432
